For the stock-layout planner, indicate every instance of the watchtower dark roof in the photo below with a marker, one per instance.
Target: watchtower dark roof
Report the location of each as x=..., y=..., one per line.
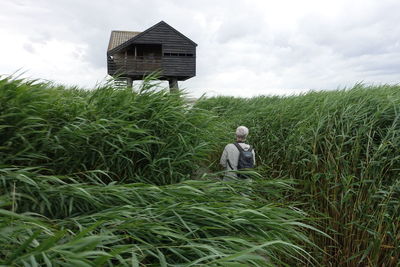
x=136, y=36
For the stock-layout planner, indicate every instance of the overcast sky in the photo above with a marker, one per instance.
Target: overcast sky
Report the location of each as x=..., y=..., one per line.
x=245, y=48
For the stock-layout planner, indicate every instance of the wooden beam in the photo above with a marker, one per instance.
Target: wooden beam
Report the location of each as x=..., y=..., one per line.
x=129, y=82
x=173, y=84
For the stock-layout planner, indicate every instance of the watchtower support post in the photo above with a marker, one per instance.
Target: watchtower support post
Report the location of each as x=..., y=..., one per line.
x=129, y=82
x=173, y=85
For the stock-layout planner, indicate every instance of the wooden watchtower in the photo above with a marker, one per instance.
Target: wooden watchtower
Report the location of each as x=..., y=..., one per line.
x=132, y=55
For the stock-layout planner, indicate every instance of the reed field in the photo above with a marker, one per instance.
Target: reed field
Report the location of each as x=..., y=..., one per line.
x=342, y=148
x=130, y=177
x=110, y=177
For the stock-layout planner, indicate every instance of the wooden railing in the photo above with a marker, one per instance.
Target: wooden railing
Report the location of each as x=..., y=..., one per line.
x=134, y=64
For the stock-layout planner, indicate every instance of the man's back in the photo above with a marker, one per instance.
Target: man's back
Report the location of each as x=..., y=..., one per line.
x=230, y=157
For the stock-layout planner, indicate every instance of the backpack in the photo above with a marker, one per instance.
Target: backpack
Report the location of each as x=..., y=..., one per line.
x=245, y=159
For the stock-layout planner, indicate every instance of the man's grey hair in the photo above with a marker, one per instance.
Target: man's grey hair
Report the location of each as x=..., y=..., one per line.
x=242, y=132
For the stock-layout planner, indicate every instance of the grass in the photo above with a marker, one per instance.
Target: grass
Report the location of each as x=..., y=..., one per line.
x=342, y=148
x=191, y=223
x=104, y=178
x=147, y=136
x=128, y=177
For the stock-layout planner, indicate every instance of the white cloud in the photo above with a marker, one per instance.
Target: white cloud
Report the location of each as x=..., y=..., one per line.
x=56, y=60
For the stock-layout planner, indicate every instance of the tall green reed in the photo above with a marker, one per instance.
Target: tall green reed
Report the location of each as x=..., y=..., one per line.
x=342, y=149
x=143, y=134
x=63, y=222
x=70, y=163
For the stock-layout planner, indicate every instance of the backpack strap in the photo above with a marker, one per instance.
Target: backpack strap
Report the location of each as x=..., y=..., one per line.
x=240, y=148
x=229, y=163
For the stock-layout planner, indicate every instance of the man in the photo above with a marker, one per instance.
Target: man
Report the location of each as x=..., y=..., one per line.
x=230, y=156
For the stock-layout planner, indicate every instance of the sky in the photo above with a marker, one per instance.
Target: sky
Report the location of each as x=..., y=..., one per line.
x=245, y=47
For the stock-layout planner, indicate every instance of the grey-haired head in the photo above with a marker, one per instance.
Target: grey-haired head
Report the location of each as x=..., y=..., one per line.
x=241, y=133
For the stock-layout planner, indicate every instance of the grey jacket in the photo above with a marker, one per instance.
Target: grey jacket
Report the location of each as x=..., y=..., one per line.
x=231, y=153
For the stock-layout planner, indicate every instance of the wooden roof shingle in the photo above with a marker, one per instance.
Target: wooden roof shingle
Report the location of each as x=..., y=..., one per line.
x=119, y=37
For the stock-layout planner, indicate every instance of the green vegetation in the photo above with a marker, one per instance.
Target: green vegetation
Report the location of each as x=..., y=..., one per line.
x=129, y=177
x=123, y=135
x=104, y=178
x=343, y=150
